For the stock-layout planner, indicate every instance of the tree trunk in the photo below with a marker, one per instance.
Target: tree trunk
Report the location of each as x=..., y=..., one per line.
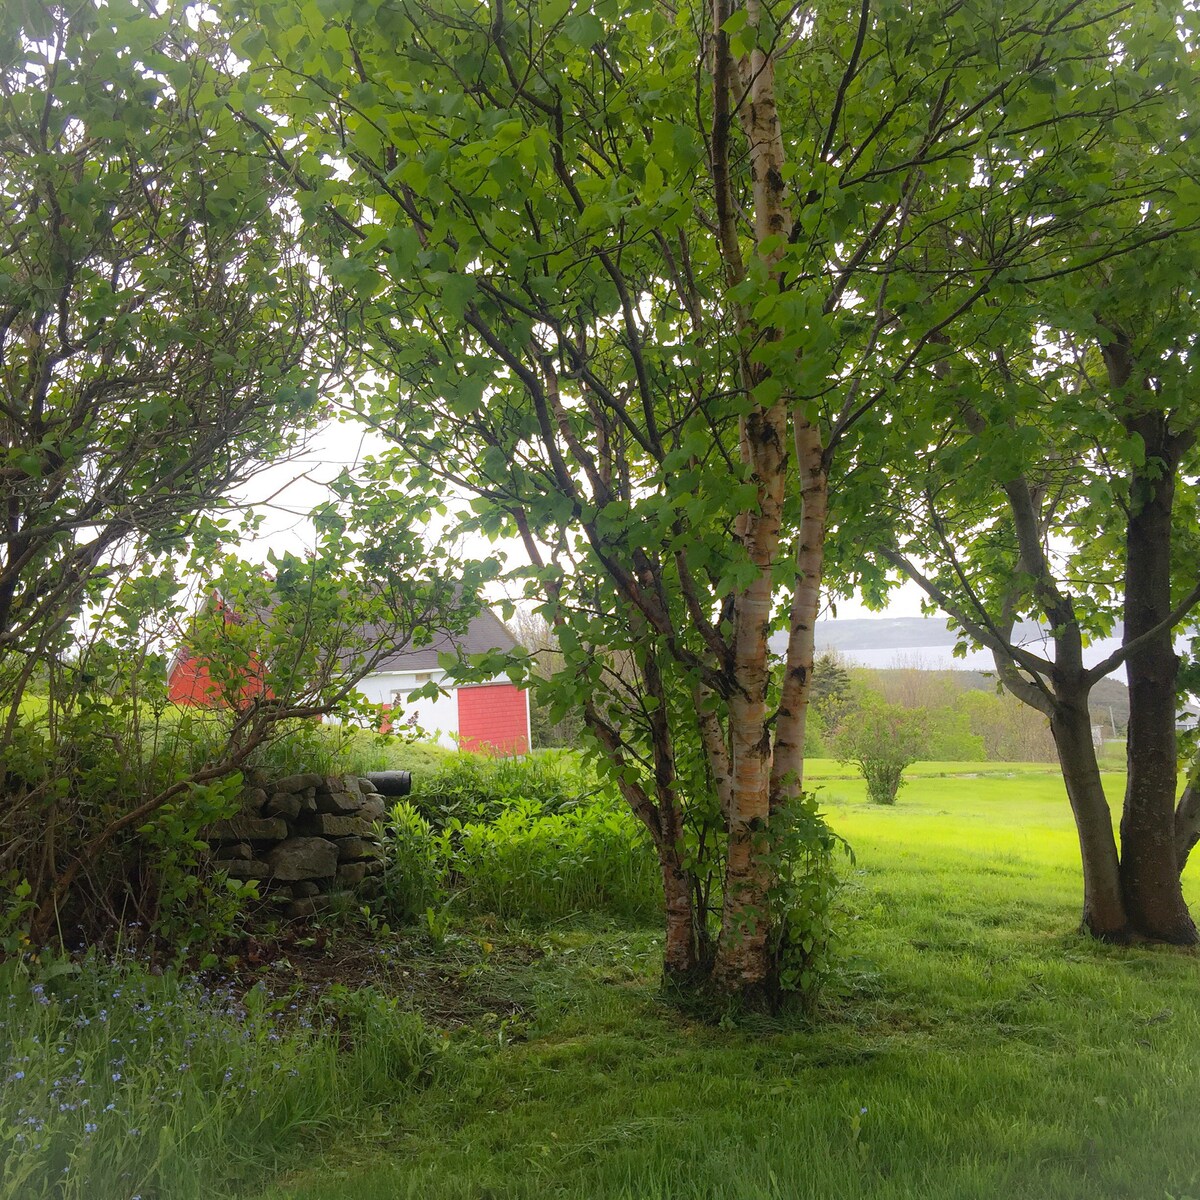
x=791, y=721
x=744, y=966
x=685, y=933
x=1187, y=821
x=682, y=956
x=1149, y=859
x=1103, y=907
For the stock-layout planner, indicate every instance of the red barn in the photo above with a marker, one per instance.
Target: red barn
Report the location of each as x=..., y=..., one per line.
x=189, y=680
x=491, y=716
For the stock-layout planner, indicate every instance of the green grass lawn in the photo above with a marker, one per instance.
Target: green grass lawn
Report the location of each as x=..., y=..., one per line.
x=973, y=1046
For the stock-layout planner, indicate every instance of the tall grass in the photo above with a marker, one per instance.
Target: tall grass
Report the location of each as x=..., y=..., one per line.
x=545, y=866
x=479, y=787
x=364, y=751
x=534, y=838
x=118, y=1084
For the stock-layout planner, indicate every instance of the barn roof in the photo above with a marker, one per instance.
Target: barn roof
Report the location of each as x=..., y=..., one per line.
x=485, y=632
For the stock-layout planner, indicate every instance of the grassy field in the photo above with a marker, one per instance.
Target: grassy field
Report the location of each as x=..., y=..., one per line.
x=973, y=1047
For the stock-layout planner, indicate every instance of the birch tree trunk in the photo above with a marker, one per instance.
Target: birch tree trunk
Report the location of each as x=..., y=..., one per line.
x=787, y=765
x=743, y=962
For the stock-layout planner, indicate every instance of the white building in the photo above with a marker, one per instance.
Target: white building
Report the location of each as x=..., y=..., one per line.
x=476, y=716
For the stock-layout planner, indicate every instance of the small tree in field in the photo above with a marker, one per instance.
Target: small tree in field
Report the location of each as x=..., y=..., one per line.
x=881, y=739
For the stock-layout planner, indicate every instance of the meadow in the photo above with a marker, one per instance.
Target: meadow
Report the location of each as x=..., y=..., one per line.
x=971, y=1045
x=974, y=1046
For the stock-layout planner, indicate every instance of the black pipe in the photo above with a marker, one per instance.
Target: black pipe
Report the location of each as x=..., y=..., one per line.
x=391, y=783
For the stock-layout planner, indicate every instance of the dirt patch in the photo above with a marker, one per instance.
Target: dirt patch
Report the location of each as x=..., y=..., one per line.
x=471, y=978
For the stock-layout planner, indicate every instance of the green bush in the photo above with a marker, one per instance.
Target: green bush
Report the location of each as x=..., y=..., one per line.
x=532, y=838
x=81, y=771
x=803, y=897
x=117, y=1083
x=479, y=787
x=540, y=866
x=881, y=739
x=413, y=866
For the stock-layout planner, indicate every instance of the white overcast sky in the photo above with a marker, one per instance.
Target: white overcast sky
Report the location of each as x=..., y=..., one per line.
x=286, y=493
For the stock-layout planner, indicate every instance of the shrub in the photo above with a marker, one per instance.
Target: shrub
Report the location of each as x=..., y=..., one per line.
x=881, y=739
x=499, y=836
x=70, y=772
x=542, y=866
x=479, y=787
x=413, y=865
x=802, y=898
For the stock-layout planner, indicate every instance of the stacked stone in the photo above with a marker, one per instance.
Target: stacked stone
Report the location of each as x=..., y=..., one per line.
x=302, y=837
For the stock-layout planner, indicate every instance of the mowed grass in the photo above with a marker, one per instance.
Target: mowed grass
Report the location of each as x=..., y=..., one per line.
x=974, y=1046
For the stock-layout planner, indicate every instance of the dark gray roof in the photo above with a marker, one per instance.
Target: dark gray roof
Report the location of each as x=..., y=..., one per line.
x=485, y=632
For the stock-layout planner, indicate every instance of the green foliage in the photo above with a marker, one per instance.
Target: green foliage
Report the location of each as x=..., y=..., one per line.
x=543, y=866
x=949, y=736
x=77, y=769
x=552, y=723
x=479, y=787
x=361, y=751
x=830, y=685
x=881, y=739
x=119, y=1083
x=190, y=907
x=1010, y=730
x=520, y=838
x=414, y=866
x=162, y=333
x=549, y=727
x=802, y=897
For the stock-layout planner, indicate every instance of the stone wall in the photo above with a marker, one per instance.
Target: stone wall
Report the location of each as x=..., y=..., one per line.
x=301, y=837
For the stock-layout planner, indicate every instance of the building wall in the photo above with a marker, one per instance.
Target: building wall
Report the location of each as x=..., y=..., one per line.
x=437, y=717
x=490, y=716
x=190, y=682
x=494, y=716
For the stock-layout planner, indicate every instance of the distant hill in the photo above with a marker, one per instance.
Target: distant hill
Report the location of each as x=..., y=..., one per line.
x=1109, y=701
x=901, y=633
x=899, y=643
x=920, y=642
